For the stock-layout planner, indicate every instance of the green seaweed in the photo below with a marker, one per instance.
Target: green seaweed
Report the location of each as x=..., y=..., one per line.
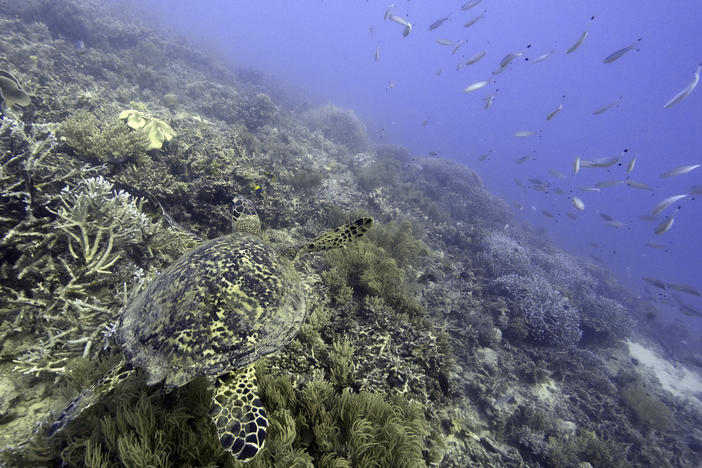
x=375, y=267
x=341, y=366
x=317, y=426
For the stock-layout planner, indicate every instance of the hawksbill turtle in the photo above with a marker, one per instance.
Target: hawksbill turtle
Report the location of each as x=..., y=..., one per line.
x=215, y=311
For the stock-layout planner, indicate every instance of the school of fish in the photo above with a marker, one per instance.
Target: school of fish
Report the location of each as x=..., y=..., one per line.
x=663, y=222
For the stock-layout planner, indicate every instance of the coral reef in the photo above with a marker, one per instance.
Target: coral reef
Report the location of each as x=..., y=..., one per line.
x=156, y=130
x=339, y=125
x=548, y=315
x=452, y=336
x=103, y=143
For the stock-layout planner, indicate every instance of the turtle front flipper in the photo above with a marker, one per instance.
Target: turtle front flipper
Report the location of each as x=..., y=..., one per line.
x=90, y=395
x=338, y=237
x=238, y=413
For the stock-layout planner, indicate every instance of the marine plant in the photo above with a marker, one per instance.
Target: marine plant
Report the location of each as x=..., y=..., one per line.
x=367, y=269
x=341, y=362
x=311, y=426
x=344, y=428
x=98, y=142
x=398, y=242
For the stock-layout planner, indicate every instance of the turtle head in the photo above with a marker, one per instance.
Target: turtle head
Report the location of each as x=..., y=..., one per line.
x=338, y=237
x=245, y=217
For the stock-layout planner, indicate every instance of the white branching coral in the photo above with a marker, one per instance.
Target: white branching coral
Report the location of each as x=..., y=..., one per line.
x=97, y=220
x=548, y=314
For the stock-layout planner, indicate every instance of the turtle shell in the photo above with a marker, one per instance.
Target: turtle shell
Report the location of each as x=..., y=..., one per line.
x=221, y=306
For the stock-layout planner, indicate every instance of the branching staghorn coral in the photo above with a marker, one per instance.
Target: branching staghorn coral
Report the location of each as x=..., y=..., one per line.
x=549, y=315
x=95, y=221
x=56, y=246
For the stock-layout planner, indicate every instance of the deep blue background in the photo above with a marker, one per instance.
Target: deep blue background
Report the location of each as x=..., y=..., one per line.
x=327, y=48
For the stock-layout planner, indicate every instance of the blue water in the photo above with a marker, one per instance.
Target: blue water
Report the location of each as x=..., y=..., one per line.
x=324, y=51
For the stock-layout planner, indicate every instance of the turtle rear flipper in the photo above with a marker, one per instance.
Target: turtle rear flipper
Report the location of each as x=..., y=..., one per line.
x=238, y=413
x=90, y=395
x=338, y=237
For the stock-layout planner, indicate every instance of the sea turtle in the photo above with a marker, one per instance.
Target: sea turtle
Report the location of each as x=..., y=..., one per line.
x=215, y=311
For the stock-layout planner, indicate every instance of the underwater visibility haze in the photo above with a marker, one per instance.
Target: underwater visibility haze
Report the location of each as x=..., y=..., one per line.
x=411, y=93
x=350, y=233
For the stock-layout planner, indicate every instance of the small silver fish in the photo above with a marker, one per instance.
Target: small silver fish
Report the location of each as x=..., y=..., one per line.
x=522, y=160
x=556, y=174
x=508, y=58
x=474, y=20
x=488, y=101
x=470, y=4
x=686, y=91
x=397, y=19
x=458, y=46
x=445, y=42
x=542, y=57
x=522, y=134
x=665, y=203
x=664, y=226
x=576, y=165
x=608, y=183
x=476, y=85
x=401, y=21
x=437, y=23
x=620, y=53
x=388, y=10
x=601, y=162
x=654, y=282
x=476, y=57
x=577, y=43
x=684, y=288
x=680, y=170
x=578, y=203
x=637, y=185
x=604, y=108
x=689, y=310
x=555, y=111
x=630, y=166
x=377, y=53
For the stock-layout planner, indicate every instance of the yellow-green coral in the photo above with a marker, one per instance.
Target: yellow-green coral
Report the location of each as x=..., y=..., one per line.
x=156, y=130
x=109, y=142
